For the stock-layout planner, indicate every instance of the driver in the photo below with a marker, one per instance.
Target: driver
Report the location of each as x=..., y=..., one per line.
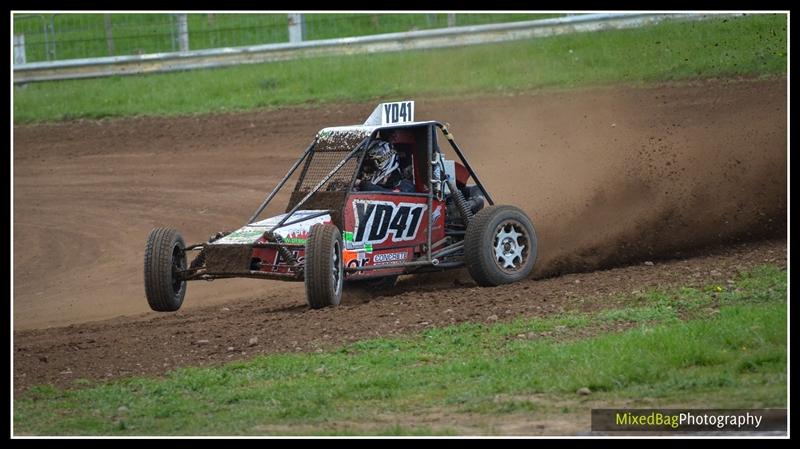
x=381, y=171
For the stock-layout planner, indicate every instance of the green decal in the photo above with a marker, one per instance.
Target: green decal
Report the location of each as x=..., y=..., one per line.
x=348, y=236
x=247, y=233
x=368, y=247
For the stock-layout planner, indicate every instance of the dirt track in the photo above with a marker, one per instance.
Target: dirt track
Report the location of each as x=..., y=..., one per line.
x=609, y=176
x=118, y=348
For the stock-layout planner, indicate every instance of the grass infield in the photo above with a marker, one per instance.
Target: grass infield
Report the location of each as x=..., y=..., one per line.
x=722, y=346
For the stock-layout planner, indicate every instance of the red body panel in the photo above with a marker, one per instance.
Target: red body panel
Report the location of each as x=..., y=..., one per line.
x=462, y=174
x=384, y=228
x=379, y=229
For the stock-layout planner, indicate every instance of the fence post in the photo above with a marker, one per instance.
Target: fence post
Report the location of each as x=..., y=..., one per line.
x=19, y=49
x=53, y=35
x=451, y=20
x=297, y=25
x=109, y=34
x=48, y=36
x=183, y=32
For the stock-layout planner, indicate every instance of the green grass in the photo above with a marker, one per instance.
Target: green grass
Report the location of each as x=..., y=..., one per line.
x=733, y=357
x=748, y=46
x=84, y=35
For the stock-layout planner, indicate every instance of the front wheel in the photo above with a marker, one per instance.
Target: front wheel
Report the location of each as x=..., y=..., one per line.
x=500, y=246
x=324, y=272
x=164, y=259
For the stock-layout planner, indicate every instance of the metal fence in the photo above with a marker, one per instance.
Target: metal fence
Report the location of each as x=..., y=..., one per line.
x=51, y=37
x=165, y=43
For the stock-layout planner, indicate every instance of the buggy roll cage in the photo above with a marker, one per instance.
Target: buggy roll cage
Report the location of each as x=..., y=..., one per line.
x=430, y=258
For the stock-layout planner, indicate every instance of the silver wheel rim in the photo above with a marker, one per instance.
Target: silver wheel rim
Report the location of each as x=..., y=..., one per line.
x=336, y=269
x=510, y=246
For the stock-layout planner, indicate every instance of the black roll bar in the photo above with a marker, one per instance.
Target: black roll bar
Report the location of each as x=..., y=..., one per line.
x=280, y=184
x=464, y=161
x=430, y=149
x=430, y=135
x=320, y=184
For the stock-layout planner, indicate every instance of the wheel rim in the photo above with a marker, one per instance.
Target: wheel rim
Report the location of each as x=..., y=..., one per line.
x=178, y=265
x=336, y=269
x=510, y=246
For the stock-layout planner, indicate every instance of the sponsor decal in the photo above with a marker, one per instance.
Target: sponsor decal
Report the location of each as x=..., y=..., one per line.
x=436, y=213
x=280, y=261
x=376, y=221
x=389, y=258
x=351, y=245
x=355, y=259
x=295, y=237
x=358, y=262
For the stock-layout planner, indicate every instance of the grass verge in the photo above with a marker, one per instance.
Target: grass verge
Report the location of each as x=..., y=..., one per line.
x=745, y=46
x=717, y=347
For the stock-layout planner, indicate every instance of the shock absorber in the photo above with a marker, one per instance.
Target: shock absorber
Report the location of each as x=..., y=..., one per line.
x=461, y=202
x=284, y=252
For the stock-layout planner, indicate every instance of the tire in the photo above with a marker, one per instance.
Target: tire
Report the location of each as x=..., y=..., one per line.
x=163, y=256
x=491, y=264
x=324, y=271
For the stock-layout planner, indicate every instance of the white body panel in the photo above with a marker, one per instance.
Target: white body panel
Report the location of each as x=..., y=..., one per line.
x=293, y=233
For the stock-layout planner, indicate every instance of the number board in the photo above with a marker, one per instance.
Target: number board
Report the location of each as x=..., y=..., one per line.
x=392, y=113
x=398, y=112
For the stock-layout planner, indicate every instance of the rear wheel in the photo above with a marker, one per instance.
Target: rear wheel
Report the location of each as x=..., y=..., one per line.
x=164, y=258
x=324, y=272
x=500, y=246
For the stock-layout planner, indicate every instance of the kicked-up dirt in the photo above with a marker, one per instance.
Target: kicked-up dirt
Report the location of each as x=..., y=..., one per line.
x=610, y=176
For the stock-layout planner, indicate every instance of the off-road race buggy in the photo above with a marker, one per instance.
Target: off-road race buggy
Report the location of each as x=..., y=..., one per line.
x=332, y=234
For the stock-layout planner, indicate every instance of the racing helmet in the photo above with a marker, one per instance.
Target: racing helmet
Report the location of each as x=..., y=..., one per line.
x=381, y=161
